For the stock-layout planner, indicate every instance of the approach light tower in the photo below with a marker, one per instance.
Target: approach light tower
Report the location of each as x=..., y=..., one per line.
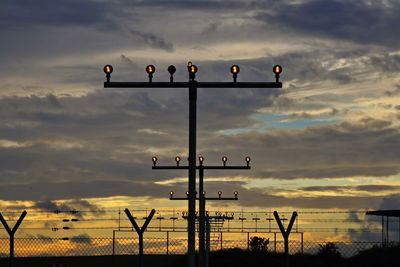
x=192, y=85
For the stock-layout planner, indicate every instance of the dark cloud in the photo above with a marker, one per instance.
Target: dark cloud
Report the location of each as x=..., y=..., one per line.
x=338, y=19
x=73, y=191
x=82, y=238
x=391, y=202
x=254, y=197
x=153, y=40
x=110, y=137
x=368, y=147
x=72, y=205
x=323, y=188
x=377, y=188
x=353, y=217
x=367, y=188
x=17, y=14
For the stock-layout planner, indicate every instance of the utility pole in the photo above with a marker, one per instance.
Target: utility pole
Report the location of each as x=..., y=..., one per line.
x=192, y=84
x=202, y=195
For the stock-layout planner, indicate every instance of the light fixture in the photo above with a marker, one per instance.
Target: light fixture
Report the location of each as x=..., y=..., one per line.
x=277, y=69
x=235, y=70
x=187, y=193
x=219, y=194
x=171, y=70
x=108, y=69
x=177, y=159
x=192, y=70
x=224, y=160
x=171, y=194
x=150, y=69
x=204, y=193
x=247, y=159
x=236, y=193
x=201, y=159
x=154, y=159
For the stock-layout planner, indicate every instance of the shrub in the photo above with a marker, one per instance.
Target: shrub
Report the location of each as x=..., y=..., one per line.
x=329, y=250
x=258, y=243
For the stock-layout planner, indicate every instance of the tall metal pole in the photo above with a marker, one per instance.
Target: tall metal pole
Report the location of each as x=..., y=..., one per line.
x=192, y=175
x=202, y=207
x=193, y=85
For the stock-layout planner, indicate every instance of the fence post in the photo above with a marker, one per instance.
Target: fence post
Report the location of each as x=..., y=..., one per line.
x=140, y=231
x=11, y=233
x=285, y=233
x=221, y=240
x=302, y=243
x=167, y=242
x=275, y=242
x=113, y=243
x=248, y=241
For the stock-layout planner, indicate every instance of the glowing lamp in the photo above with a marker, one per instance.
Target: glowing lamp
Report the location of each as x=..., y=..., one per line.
x=201, y=159
x=177, y=159
x=150, y=69
x=277, y=69
x=193, y=69
x=235, y=69
x=154, y=159
x=220, y=193
x=224, y=160
x=247, y=159
x=108, y=69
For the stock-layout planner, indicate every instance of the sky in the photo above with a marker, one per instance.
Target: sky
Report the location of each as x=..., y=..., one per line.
x=329, y=139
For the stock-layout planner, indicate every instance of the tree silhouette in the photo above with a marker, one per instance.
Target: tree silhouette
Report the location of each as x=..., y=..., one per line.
x=258, y=243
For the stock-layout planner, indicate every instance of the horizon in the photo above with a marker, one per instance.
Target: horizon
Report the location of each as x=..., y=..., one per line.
x=329, y=140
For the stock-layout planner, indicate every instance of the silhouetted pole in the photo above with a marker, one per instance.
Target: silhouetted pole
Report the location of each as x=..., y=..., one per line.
x=11, y=233
x=192, y=174
x=193, y=85
x=202, y=213
x=207, y=252
x=140, y=231
x=286, y=233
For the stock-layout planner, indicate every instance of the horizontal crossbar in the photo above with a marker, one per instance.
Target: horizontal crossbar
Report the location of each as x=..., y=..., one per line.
x=198, y=85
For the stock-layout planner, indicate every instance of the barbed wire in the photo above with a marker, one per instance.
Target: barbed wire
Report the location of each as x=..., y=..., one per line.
x=34, y=211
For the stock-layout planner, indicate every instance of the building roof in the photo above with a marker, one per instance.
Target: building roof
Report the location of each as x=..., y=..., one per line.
x=389, y=213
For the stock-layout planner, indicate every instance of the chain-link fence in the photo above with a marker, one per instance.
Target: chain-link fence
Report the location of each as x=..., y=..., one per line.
x=109, y=232
x=42, y=247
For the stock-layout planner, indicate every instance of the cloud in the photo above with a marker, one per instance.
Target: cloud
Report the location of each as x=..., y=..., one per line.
x=377, y=188
x=367, y=147
x=338, y=19
x=72, y=205
x=17, y=14
x=254, y=197
x=82, y=238
x=324, y=188
x=46, y=194
x=153, y=40
x=391, y=202
x=364, y=188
